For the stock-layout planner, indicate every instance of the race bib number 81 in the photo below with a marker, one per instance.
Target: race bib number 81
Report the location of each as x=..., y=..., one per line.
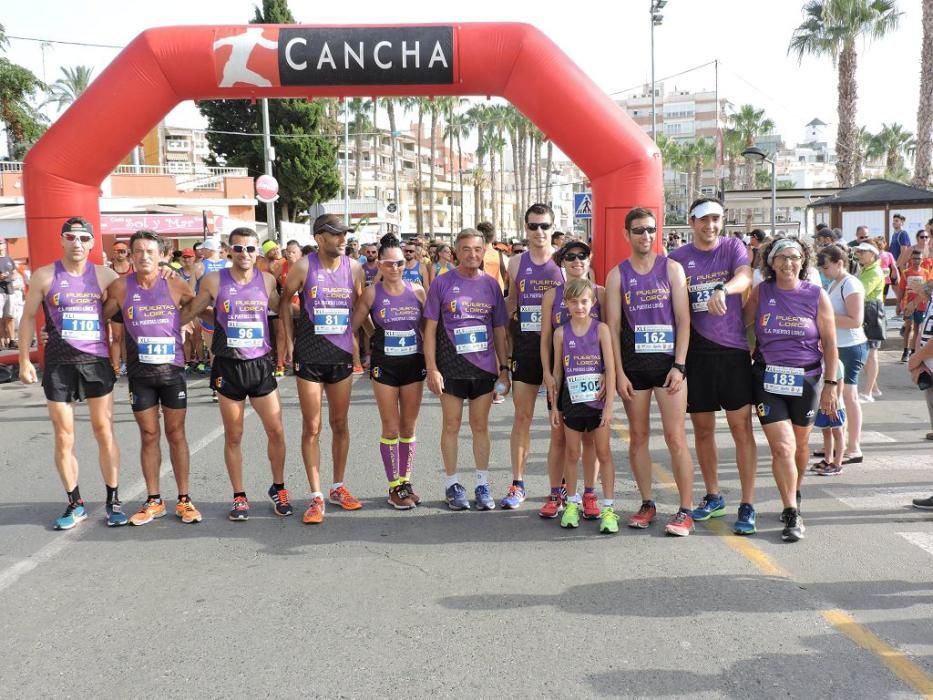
x=331, y=321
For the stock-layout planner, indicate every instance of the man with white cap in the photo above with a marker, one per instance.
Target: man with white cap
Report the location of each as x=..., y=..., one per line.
x=719, y=367
x=872, y=278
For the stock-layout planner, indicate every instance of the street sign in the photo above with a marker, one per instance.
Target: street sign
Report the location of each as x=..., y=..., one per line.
x=583, y=205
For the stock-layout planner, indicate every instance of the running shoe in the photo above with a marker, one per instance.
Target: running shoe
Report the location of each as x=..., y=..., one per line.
x=483, y=499
x=513, y=499
x=343, y=498
x=876, y=393
x=745, y=524
x=122, y=369
x=498, y=398
x=571, y=516
x=905, y=355
x=279, y=372
x=793, y=525
x=358, y=370
x=816, y=466
x=240, y=510
x=866, y=398
x=712, y=506
x=187, y=512
x=645, y=515
x=315, y=513
x=74, y=514
x=591, y=509
x=149, y=512
x=399, y=498
x=680, y=525
x=456, y=497
x=280, y=504
x=214, y=396
x=410, y=491
x=608, y=521
x=115, y=515
x=829, y=470
x=923, y=503
x=552, y=507
x=202, y=368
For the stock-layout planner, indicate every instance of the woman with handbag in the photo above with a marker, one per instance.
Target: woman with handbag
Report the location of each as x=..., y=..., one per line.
x=874, y=324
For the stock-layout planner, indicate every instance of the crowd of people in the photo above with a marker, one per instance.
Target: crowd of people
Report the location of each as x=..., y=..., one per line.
x=768, y=326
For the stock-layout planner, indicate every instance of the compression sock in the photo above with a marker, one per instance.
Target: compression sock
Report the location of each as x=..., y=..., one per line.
x=406, y=456
x=390, y=452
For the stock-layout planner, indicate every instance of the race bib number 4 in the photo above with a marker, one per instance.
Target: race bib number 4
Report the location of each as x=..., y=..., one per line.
x=529, y=318
x=700, y=294
x=400, y=343
x=245, y=334
x=785, y=381
x=584, y=387
x=658, y=338
x=471, y=339
x=78, y=326
x=156, y=350
x=331, y=321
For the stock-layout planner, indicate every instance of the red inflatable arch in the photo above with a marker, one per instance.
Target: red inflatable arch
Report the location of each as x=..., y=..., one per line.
x=164, y=66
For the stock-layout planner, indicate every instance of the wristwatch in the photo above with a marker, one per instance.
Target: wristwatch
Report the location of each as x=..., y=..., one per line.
x=831, y=382
x=720, y=286
x=503, y=368
x=682, y=368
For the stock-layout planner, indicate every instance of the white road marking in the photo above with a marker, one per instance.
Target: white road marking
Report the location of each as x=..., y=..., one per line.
x=880, y=499
x=924, y=540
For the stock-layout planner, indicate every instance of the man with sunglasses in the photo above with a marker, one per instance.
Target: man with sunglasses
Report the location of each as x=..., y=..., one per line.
x=532, y=274
x=719, y=368
x=121, y=264
x=151, y=310
x=415, y=270
x=330, y=284
x=241, y=297
x=72, y=292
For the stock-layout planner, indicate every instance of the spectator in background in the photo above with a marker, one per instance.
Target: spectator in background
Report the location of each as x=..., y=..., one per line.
x=923, y=244
x=861, y=236
x=519, y=247
x=7, y=275
x=558, y=238
x=756, y=239
x=900, y=239
x=494, y=261
x=872, y=279
x=921, y=361
x=887, y=263
x=912, y=304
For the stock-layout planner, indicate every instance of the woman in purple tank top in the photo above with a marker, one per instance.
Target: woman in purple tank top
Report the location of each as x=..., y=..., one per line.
x=394, y=308
x=584, y=368
x=796, y=342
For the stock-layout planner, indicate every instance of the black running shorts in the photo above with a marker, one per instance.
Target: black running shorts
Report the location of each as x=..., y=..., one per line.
x=527, y=369
x=584, y=422
x=480, y=385
x=399, y=373
x=718, y=380
x=169, y=392
x=67, y=383
x=648, y=379
x=238, y=379
x=323, y=373
x=773, y=408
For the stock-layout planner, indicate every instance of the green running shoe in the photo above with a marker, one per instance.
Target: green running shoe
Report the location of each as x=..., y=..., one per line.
x=608, y=521
x=571, y=516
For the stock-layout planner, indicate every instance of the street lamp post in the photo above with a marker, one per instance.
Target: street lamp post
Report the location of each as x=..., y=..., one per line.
x=656, y=19
x=754, y=153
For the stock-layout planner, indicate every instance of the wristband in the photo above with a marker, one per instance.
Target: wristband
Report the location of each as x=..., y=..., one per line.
x=503, y=368
x=680, y=367
x=831, y=382
x=721, y=287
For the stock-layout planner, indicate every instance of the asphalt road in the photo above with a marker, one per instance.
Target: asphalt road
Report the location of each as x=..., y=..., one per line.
x=378, y=603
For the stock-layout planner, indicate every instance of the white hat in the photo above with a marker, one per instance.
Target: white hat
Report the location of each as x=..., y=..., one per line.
x=870, y=248
x=211, y=244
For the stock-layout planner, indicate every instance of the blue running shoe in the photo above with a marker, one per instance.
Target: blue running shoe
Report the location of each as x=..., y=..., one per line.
x=115, y=515
x=514, y=498
x=280, y=502
x=73, y=515
x=745, y=525
x=457, y=498
x=712, y=506
x=484, y=499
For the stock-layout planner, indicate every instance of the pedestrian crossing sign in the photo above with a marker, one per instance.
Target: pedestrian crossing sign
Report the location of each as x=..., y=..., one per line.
x=583, y=205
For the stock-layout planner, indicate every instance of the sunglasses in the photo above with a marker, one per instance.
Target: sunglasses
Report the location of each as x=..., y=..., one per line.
x=238, y=248
x=789, y=258
x=392, y=263
x=570, y=257
x=83, y=237
x=922, y=237
x=409, y=252
x=641, y=230
x=535, y=227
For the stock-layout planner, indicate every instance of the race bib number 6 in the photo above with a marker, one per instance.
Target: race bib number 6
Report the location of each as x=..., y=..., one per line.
x=471, y=339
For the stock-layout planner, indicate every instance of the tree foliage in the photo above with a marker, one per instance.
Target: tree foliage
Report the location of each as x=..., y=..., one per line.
x=64, y=91
x=21, y=121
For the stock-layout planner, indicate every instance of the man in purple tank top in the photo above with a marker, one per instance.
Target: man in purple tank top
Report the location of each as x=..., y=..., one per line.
x=71, y=291
x=648, y=313
x=243, y=367
x=329, y=284
x=719, y=370
x=151, y=310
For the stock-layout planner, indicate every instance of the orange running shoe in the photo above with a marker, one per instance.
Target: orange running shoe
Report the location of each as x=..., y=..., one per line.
x=343, y=498
x=149, y=512
x=552, y=507
x=315, y=512
x=591, y=509
x=187, y=512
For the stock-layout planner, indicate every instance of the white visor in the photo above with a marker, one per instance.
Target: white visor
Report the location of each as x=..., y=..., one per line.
x=701, y=210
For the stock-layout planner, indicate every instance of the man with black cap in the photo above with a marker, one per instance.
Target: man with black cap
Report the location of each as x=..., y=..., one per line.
x=329, y=283
x=71, y=292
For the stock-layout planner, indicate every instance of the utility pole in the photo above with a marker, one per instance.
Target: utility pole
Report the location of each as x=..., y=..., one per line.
x=269, y=156
x=656, y=19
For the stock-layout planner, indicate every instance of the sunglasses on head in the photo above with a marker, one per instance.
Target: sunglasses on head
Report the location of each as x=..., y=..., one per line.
x=641, y=230
x=536, y=226
x=83, y=237
x=570, y=257
x=392, y=263
x=239, y=248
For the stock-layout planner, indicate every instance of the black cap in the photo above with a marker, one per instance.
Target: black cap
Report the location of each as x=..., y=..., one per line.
x=329, y=223
x=77, y=225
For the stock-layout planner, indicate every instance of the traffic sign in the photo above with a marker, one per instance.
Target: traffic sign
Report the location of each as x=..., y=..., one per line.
x=583, y=205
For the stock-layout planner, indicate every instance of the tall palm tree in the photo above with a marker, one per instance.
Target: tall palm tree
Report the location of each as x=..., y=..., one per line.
x=923, y=170
x=478, y=116
x=418, y=104
x=864, y=150
x=750, y=123
x=389, y=103
x=733, y=144
x=66, y=89
x=831, y=27
x=359, y=126
x=672, y=159
x=697, y=156
x=893, y=142
x=458, y=127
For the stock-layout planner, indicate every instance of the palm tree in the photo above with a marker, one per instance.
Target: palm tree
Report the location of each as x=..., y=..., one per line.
x=893, y=142
x=831, y=27
x=389, y=103
x=478, y=115
x=672, y=159
x=698, y=155
x=419, y=104
x=458, y=126
x=359, y=108
x=864, y=150
x=923, y=170
x=750, y=123
x=66, y=89
x=733, y=145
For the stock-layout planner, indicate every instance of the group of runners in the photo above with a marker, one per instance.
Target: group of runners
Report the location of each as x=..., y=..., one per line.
x=669, y=327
